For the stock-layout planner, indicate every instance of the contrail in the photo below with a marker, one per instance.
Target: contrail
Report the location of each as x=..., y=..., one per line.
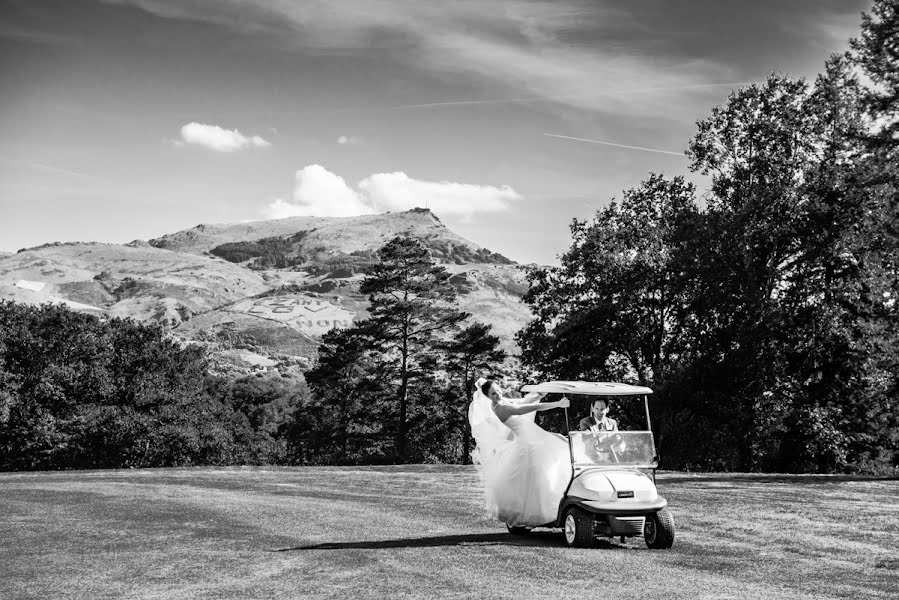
x=568, y=137
x=696, y=86
x=50, y=168
x=471, y=102
x=689, y=86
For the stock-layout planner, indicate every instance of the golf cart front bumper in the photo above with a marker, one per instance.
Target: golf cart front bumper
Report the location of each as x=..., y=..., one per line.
x=622, y=509
x=615, y=519
x=615, y=526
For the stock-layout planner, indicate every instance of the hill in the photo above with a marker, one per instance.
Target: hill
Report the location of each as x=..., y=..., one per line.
x=325, y=239
x=261, y=293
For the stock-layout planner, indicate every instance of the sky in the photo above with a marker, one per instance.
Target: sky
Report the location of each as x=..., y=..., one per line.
x=129, y=119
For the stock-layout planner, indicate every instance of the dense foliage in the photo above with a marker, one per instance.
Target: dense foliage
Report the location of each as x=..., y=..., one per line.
x=269, y=253
x=80, y=392
x=765, y=316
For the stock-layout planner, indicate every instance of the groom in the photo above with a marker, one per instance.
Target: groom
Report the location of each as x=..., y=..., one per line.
x=598, y=419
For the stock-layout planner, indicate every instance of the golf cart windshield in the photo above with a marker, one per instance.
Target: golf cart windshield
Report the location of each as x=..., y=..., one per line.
x=613, y=448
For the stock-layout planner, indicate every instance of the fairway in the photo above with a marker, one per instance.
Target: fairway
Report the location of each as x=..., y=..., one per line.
x=420, y=532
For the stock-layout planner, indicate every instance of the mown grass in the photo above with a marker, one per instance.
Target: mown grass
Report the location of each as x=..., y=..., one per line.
x=420, y=532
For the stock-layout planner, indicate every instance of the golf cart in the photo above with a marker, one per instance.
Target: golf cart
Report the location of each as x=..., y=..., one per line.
x=608, y=494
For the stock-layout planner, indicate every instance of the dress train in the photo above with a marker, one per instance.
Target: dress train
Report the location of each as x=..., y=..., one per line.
x=524, y=468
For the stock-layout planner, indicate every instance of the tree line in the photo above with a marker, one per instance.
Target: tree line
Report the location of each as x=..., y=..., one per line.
x=78, y=391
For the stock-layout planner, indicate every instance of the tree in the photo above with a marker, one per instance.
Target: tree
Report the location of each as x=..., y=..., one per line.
x=260, y=409
x=344, y=421
x=86, y=393
x=760, y=148
x=788, y=277
x=623, y=304
x=474, y=350
x=614, y=308
x=821, y=296
x=759, y=316
x=410, y=305
x=876, y=51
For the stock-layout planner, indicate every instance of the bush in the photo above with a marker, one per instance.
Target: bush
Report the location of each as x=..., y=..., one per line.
x=80, y=392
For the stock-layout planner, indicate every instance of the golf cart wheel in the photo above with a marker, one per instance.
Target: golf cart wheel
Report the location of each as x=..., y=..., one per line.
x=658, y=532
x=579, y=528
x=514, y=530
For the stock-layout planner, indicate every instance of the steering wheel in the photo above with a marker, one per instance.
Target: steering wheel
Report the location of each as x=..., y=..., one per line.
x=609, y=441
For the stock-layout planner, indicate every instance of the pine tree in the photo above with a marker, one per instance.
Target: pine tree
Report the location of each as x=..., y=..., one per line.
x=344, y=422
x=473, y=351
x=411, y=310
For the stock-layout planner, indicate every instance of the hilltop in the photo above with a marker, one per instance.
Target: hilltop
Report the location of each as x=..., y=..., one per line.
x=322, y=239
x=262, y=293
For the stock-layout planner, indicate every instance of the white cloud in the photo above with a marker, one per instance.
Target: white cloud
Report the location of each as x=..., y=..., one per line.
x=217, y=138
x=348, y=140
x=321, y=193
x=398, y=191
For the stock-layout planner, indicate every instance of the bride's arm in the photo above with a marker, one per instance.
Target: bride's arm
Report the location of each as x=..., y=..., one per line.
x=504, y=411
x=532, y=398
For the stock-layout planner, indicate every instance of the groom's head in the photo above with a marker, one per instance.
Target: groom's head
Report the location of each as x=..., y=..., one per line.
x=599, y=408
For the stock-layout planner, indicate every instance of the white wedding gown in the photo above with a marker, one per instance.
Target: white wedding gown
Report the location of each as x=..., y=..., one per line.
x=524, y=468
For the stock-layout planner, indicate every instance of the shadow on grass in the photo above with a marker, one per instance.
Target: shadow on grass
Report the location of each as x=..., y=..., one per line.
x=473, y=539
x=536, y=539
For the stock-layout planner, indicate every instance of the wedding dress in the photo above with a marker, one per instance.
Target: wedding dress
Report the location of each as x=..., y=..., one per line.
x=524, y=468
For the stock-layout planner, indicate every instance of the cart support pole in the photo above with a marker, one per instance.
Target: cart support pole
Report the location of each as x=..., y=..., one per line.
x=571, y=479
x=649, y=429
x=646, y=404
x=571, y=455
x=568, y=435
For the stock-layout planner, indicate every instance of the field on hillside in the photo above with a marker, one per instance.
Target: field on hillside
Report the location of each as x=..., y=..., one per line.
x=420, y=532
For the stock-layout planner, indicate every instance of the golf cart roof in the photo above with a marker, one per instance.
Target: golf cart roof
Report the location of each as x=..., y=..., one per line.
x=590, y=388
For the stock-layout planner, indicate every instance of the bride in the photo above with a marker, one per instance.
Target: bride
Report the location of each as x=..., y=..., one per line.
x=523, y=467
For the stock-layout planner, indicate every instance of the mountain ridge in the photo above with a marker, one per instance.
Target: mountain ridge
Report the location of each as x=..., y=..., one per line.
x=327, y=235
x=261, y=293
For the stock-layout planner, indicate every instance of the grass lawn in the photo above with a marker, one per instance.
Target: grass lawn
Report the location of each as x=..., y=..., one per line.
x=420, y=532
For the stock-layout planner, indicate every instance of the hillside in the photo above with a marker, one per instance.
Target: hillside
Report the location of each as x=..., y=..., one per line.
x=260, y=293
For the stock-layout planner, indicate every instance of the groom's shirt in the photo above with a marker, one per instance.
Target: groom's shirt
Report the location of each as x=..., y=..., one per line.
x=591, y=424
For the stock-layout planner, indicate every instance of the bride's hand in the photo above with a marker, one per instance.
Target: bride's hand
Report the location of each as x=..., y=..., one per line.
x=564, y=403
